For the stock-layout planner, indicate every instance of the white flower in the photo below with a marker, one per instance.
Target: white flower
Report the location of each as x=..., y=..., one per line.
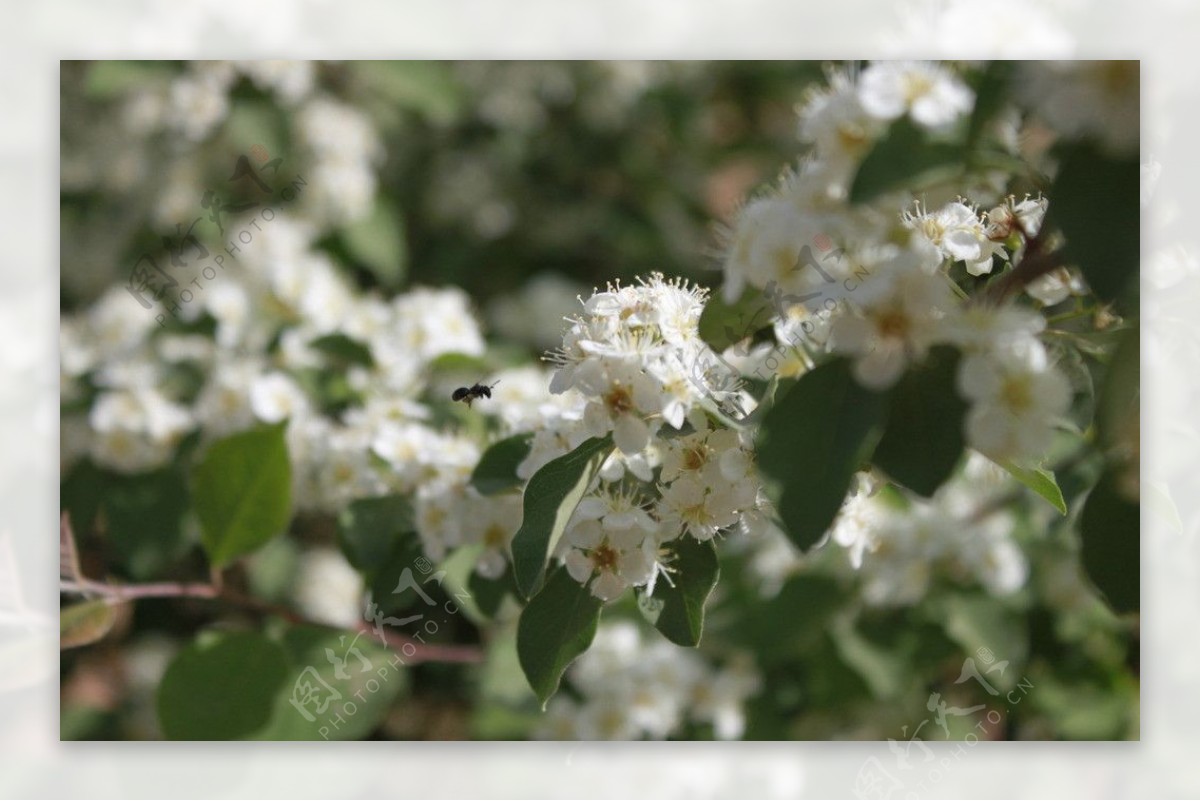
x=930, y=93
x=136, y=429
x=429, y=322
x=608, y=561
x=1098, y=99
x=327, y=589
x=275, y=397
x=835, y=121
x=340, y=459
x=617, y=509
x=196, y=105
x=1025, y=217
x=981, y=327
x=1055, y=287
x=491, y=522
x=224, y=403
x=1016, y=396
x=625, y=398
x=719, y=699
x=703, y=505
x=291, y=80
x=439, y=511
x=856, y=524
x=897, y=321
x=958, y=233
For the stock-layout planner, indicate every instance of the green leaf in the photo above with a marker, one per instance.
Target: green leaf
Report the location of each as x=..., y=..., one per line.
x=221, y=687
x=85, y=623
x=1110, y=530
x=1117, y=412
x=811, y=443
x=556, y=627
x=722, y=324
x=379, y=243
x=488, y=594
x=550, y=497
x=884, y=670
x=107, y=79
x=1039, y=480
x=1096, y=202
x=904, y=158
x=371, y=678
x=251, y=123
x=991, y=90
x=145, y=516
x=497, y=468
x=923, y=440
x=677, y=606
x=984, y=628
x=342, y=349
x=428, y=88
x=370, y=529
x=243, y=492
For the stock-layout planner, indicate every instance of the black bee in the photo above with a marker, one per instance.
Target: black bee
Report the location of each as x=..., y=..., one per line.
x=473, y=393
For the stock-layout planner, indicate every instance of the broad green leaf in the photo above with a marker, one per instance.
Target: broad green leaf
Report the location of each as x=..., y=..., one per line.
x=221, y=687
x=370, y=529
x=1110, y=531
x=550, y=497
x=249, y=124
x=343, y=349
x=904, y=158
x=488, y=594
x=923, y=440
x=107, y=79
x=811, y=443
x=428, y=88
x=242, y=491
x=371, y=677
x=497, y=468
x=679, y=597
x=985, y=630
x=1096, y=202
x=885, y=671
x=1117, y=412
x=556, y=627
x=82, y=494
x=991, y=90
x=722, y=324
x=1039, y=480
x=379, y=243
x=84, y=623
x=144, y=514
x=458, y=363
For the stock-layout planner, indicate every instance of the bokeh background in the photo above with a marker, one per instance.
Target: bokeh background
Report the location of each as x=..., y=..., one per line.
x=37, y=36
x=487, y=197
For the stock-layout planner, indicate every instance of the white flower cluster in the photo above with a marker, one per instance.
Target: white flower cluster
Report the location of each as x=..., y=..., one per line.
x=900, y=551
x=634, y=366
x=847, y=278
x=633, y=689
x=123, y=371
x=638, y=358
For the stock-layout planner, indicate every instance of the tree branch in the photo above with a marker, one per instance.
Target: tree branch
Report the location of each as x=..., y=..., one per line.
x=412, y=650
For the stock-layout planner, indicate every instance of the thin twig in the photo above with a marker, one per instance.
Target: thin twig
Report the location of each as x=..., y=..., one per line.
x=414, y=651
x=1034, y=264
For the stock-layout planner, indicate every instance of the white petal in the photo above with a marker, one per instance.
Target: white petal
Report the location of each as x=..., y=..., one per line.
x=579, y=566
x=631, y=434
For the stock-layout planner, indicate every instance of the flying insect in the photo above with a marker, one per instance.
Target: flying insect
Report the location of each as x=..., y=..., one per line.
x=473, y=393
